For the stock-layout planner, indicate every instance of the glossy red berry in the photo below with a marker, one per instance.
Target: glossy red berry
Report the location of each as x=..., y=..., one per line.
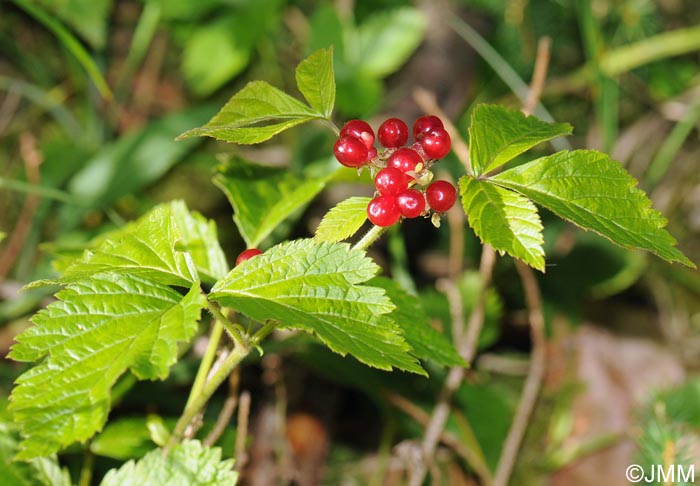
x=391, y=182
x=393, y=133
x=360, y=130
x=404, y=159
x=426, y=124
x=383, y=211
x=411, y=203
x=436, y=143
x=441, y=196
x=350, y=151
x=247, y=255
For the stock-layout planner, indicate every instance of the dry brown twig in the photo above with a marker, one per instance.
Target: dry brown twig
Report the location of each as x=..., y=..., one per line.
x=242, y=431
x=227, y=410
x=32, y=158
x=538, y=359
x=468, y=344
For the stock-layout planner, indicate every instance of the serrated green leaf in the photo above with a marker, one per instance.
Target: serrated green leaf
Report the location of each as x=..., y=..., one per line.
x=594, y=192
x=426, y=341
x=147, y=247
x=199, y=237
x=504, y=219
x=97, y=330
x=343, y=220
x=497, y=135
x=316, y=81
x=386, y=40
x=262, y=197
x=316, y=287
x=255, y=114
x=41, y=471
x=188, y=464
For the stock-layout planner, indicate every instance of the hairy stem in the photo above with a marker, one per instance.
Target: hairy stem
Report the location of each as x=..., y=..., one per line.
x=370, y=237
x=207, y=360
x=240, y=351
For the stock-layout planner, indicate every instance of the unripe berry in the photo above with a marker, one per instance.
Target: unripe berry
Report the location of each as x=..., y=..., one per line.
x=359, y=129
x=383, y=211
x=404, y=159
x=411, y=203
x=393, y=133
x=247, y=255
x=426, y=124
x=391, y=182
x=441, y=196
x=436, y=143
x=350, y=151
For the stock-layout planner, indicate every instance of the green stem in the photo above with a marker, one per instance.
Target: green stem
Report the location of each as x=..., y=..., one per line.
x=239, y=352
x=235, y=333
x=332, y=126
x=370, y=237
x=263, y=332
x=207, y=360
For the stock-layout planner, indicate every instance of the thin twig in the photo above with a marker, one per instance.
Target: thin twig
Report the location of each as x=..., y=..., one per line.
x=467, y=349
x=427, y=102
x=32, y=158
x=533, y=382
x=242, y=431
x=227, y=410
x=539, y=75
x=533, y=299
x=446, y=437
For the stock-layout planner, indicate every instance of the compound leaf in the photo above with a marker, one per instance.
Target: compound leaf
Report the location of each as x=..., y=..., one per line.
x=426, y=341
x=504, y=219
x=343, y=220
x=317, y=287
x=188, y=464
x=97, y=330
x=316, y=81
x=594, y=192
x=262, y=197
x=255, y=114
x=497, y=135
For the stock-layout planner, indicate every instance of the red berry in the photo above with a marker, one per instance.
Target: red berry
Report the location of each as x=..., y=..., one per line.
x=426, y=124
x=391, y=182
x=411, y=203
x=404, y=159
x=359, y=129
x=436, y=143
x=350, y=151
x=383, y=211
x=441, y=196
x=393, y=133
x=247, y=255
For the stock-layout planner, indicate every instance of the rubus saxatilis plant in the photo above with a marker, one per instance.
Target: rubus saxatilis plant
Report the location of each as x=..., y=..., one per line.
x=132, y=302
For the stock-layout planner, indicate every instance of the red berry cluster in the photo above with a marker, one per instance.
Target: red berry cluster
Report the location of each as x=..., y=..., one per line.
x=402, y=171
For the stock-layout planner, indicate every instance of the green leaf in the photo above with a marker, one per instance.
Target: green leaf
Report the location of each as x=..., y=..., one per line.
x=497, y=135
x=41, y=471
x=504, y=219
x=214, y=54
x=262, y=197
x=343, y=220
x=130, y=164
x=87, y=17
x=316, y=287
x=316, y=81
x=594, y=192
x=123, y=439
x=188, y=464
x=386, y=40
x=2, y=236
x=426, y=341
x=148, y=248
x=96, y=331
x=198, y=237
x=255, y=114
